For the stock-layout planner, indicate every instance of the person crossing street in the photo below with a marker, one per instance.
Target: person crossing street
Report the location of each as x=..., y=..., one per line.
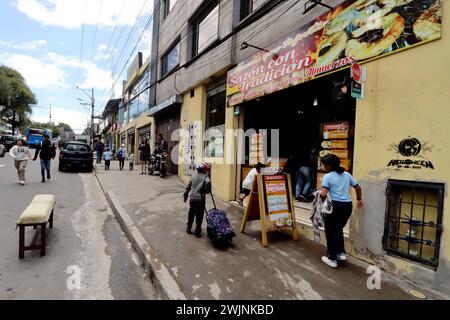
x=47, y=152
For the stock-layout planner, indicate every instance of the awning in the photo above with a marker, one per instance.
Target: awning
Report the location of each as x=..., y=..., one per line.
x=173, y=101
x=112, y=106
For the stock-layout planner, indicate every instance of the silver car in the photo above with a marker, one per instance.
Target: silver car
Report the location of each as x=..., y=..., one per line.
x=2, y=150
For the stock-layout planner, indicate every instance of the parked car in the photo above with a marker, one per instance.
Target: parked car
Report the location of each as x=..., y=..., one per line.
x=8, y=141
x=2, y=150
x=76, y=155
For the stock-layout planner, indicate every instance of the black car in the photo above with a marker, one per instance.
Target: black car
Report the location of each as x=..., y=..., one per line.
x=8, y=141
x=76, y=155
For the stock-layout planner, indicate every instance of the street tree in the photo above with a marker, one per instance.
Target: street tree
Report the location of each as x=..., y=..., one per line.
x=15, y=98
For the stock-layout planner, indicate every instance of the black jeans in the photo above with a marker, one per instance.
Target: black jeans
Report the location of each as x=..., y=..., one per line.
x=107, y=164
x=121, y=164
x=334, y=228
x=197, y=212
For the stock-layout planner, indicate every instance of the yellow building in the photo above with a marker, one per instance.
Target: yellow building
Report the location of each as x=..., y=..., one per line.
x=134, y=115
x=394, y=139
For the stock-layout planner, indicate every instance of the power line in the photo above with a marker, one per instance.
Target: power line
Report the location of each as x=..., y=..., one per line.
x=119, y=37
x=134, y=49
x=96, y=27
x=82, y=40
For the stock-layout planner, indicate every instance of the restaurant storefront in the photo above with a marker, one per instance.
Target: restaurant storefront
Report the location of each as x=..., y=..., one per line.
x=389, y=128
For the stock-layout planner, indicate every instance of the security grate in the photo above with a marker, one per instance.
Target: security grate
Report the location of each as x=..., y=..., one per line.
x=414, y=221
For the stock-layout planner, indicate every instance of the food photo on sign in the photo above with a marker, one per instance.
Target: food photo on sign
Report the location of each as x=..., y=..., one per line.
x=354, y=31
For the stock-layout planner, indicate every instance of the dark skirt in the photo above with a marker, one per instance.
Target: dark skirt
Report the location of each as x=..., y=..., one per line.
x=144, y=156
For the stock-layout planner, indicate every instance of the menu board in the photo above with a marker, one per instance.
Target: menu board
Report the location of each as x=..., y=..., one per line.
x=272, y=203
x=277, y=202
x=335, y=140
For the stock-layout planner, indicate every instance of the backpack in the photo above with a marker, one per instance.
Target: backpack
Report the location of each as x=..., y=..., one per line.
x=120, y=153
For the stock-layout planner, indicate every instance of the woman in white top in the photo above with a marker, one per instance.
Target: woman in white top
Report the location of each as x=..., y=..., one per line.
x=21, y=154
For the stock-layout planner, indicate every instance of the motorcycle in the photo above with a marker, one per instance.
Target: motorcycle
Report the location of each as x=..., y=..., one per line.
x=157, y=163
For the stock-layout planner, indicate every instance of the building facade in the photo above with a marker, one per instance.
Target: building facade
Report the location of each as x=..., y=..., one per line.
x=134, y=120
x=281, y=70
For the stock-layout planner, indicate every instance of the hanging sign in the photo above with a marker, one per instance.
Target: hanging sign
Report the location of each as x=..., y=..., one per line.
x=357, y=90
x=272, y=202
x=354, y=31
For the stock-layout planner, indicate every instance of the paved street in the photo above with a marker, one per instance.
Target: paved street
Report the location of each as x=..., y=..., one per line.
x=288, y=269
x=86, y=238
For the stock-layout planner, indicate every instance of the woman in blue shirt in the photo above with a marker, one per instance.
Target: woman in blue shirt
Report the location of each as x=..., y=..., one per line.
x=337, y=183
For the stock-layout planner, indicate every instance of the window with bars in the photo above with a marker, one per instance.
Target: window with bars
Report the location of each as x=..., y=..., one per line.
x=414, y=220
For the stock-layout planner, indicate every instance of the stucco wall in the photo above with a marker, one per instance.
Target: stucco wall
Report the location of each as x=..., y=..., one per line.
x=407, y=95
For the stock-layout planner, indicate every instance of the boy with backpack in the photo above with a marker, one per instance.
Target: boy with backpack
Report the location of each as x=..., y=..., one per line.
x=198, y=187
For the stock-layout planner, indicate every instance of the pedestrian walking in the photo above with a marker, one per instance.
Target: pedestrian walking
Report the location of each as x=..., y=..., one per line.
x=121, y=154
x=248, y=182
x=100, y=148
x=107, y=156
x=47, y=152
x=198, y=187
x=144, y=155
x=337, y=184
x=21, y=154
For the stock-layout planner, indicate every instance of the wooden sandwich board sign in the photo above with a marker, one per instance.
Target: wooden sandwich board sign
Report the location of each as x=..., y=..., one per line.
x=272, y=202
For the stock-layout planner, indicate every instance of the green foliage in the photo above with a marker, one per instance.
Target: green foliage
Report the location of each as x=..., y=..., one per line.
x=15, y=98
x=64, y=126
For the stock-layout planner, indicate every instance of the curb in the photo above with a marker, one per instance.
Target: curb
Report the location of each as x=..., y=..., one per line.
x=162, y=280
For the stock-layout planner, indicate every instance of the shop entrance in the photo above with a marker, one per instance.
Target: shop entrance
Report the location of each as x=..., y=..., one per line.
x=313, y=119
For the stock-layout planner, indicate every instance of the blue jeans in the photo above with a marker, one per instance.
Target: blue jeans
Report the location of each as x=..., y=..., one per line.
x=305, y=181
x=45, y=165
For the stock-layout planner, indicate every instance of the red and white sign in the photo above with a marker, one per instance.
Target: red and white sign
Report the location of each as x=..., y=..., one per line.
x=358, y=73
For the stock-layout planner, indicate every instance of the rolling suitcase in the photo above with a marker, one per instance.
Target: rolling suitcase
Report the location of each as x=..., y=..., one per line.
x=218, y=226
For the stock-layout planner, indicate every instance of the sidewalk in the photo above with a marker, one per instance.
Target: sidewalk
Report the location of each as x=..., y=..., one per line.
x=154, y=216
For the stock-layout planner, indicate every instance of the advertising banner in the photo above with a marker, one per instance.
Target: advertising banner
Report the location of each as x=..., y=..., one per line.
x=354, y=31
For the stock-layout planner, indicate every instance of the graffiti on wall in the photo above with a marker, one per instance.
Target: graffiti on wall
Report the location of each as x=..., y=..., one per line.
x=411, y=154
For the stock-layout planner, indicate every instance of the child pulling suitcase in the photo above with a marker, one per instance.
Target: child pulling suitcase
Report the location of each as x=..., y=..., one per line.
x=219, y=227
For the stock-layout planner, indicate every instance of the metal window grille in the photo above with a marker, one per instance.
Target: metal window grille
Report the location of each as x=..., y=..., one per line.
x=414, y=221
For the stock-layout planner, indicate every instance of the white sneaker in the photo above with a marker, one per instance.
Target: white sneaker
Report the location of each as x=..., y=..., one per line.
x=342, y=257
x=22, y=183
x=330, y=263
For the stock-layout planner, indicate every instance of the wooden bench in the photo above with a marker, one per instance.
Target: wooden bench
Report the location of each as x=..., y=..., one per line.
x=37, y=214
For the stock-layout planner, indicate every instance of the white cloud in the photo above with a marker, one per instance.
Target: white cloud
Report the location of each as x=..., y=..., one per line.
x=94, y=77
x=32, y=45
x=76, y=119
x=145, y=45
x=53, y=70
x=37, y=73
x=104, y=52
x=73, y=13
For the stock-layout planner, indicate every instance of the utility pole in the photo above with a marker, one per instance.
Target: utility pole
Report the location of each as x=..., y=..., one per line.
x=92, y=117
x=92, y=104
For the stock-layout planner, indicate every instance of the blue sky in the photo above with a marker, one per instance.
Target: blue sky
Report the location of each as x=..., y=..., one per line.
x=42, y=40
